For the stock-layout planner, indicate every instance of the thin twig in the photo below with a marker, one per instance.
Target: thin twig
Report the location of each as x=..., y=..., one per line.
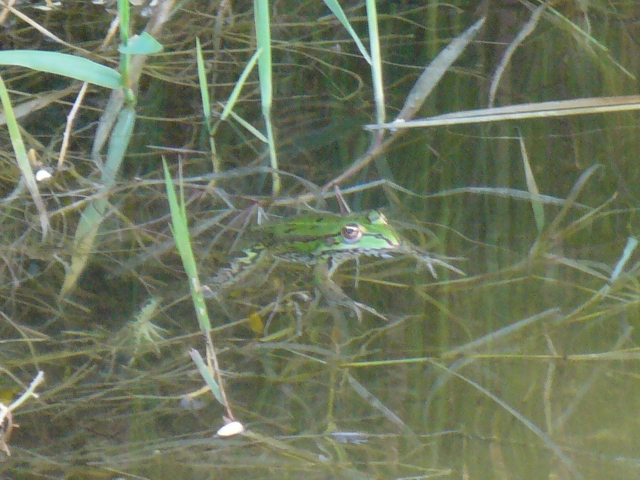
x=70, y=122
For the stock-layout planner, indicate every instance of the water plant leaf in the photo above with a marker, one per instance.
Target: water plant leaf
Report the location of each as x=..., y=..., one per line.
x=376, y=61
x=336, y=9
x=143, y=44
x=556, y=108
x=206, y=375
x=436, y=69
x=239, y=84
x=71, y=66
x=180, y=230
x=21, y=157
x=532, y=186
x=265, y=71
x=93, y=215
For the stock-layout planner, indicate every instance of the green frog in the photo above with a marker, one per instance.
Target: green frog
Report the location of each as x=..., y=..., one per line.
x=325, y=241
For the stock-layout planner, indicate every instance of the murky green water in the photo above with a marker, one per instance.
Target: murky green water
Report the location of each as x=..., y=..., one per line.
x=524, y=368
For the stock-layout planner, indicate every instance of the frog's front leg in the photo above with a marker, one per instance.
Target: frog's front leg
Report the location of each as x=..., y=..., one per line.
x=242, y=269
x=322, y=273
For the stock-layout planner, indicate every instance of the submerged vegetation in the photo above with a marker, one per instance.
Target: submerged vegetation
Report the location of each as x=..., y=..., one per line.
x=147, y=145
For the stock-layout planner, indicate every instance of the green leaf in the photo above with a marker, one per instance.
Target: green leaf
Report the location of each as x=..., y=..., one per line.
x=143, y=44
x=64, y=64
x=336, y=9
x=22, y=158
x=206, y=375
x=239, y=84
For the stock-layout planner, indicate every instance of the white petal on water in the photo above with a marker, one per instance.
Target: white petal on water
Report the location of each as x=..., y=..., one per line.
x=231, y=430
x=42, y=175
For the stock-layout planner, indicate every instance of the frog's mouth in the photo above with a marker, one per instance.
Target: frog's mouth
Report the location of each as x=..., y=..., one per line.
x=390, y=244
x=382, y=252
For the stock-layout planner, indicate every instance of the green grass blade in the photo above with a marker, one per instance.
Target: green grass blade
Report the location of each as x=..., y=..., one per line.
x=180, y=231
x=573, y=196
x=239, y=84
x=629, y=248
x=143, y=44
x=374, y=402
x=258, y=134
x=263, y=38
x=336, y=9
x=125, y=58
x=206, y=375
x=206, y=105
x=118, y=143
x=90, y=221
x=22, y=159
x=436, y=69
x=376, y=61
x=94, y=213
x=202, y=81
x=63, y=64
x=532, y=187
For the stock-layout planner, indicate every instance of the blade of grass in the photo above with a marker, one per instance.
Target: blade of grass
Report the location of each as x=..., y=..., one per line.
x=143, y=44
x=540, y=245
x=585, y=40
x=336, y=9
x=374, y=402
x=524, y=32
x=239, y=84
x=68, y=129
x=64, y=64
x=231, y=101
x=206, y=374
x=123, y=121
x=536, y=204
x=180, y=231
x=436, y=69
x=631, y=245
x=125, y=58
x=159, y=16
x=257, y=133
x=420, y=91
x=265, y=70
x=202, y=80
x=90, y=221
x=22, y=159
x=206, y=104
x=573, y=195
x=562, y=108
x=376, y=61
x=94, y=213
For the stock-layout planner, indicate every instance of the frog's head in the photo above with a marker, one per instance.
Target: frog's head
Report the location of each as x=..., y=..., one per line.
x=368, y=234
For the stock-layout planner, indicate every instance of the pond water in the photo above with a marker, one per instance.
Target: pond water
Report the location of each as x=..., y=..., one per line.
x=523, y=367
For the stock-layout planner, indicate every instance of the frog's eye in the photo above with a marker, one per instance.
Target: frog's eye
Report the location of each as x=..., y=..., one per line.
x=351, y=233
